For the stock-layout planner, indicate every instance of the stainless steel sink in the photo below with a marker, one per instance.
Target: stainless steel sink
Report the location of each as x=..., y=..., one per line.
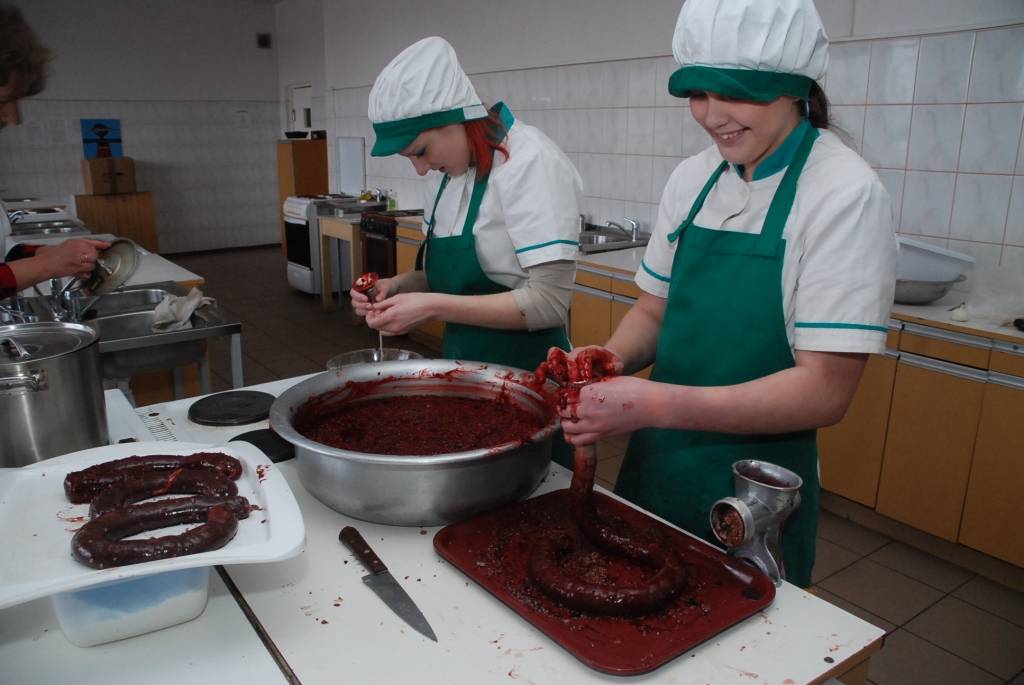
x=124, y=320
x=119, y=302
x=601, y=239
x=154, y=351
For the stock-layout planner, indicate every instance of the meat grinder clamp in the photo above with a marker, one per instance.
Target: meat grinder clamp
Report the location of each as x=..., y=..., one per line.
x=750, y=524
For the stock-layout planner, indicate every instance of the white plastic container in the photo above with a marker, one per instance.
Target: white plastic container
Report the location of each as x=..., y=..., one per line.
x=127, y=608
x=920, y=261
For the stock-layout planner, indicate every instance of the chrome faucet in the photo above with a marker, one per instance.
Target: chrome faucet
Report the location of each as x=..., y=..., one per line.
x=634, y=225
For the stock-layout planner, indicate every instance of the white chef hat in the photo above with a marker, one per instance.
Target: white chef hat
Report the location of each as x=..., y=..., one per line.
x=422, y=88
x=748, y=49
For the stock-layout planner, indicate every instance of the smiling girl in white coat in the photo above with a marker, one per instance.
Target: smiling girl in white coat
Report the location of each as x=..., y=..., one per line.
x=767, y=281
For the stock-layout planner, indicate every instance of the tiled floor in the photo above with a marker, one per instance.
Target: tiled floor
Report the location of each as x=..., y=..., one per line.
x=944, y=624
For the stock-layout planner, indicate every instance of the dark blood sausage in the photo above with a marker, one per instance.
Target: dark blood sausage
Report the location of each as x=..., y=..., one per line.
x=546, y=567
x=142, y=484
x=81, y=486
x=100, y=543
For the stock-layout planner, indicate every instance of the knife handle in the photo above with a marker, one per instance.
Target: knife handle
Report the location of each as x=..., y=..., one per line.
x=355, y=542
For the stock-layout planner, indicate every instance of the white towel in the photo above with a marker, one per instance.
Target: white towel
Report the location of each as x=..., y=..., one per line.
x=174, y=312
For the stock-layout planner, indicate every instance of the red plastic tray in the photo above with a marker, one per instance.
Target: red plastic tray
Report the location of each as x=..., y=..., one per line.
x=494, y=550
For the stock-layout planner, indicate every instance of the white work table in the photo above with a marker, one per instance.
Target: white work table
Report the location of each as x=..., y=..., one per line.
x=330, y=628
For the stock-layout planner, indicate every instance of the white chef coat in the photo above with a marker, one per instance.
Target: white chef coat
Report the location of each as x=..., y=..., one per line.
x=838, y=276
x=529, y=214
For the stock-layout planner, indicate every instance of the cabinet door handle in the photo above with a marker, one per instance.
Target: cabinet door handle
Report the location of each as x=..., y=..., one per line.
x=957, y=370
x=587, y=290
x=947, y=336
x=1006, y=380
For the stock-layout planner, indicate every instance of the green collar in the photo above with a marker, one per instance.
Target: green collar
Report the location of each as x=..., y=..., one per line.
x=781, y=157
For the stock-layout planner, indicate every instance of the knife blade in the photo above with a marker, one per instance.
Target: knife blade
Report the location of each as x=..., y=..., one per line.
x=384, y=584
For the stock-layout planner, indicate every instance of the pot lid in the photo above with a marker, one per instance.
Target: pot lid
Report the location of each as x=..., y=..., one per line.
x=28, y=342
x=114, y=266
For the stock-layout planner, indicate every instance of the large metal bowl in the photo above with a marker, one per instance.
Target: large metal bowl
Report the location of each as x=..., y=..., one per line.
x=417, y=490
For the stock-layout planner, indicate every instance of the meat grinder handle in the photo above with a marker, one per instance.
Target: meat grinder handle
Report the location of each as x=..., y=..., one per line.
x=351, y=538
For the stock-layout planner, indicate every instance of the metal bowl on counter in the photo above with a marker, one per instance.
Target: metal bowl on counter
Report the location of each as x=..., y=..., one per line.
x=923, y=292
x=416, y=490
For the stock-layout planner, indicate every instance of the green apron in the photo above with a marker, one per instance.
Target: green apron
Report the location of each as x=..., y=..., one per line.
x=724, y=324
x=452, y=267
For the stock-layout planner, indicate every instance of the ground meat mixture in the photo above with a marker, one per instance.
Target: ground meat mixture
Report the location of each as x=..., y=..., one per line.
x=422, y=425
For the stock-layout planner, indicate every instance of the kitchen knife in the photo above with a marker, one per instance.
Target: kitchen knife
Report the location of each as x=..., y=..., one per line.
x=384, y=584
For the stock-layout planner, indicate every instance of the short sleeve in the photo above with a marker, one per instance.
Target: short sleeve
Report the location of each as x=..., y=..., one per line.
x=540, y=198
x=847, y=272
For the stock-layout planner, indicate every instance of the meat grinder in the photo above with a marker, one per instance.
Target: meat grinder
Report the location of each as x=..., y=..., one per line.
x=750, y=524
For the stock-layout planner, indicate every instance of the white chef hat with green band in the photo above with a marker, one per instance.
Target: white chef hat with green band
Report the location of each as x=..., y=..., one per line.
x=748, y=49
x=422, y=88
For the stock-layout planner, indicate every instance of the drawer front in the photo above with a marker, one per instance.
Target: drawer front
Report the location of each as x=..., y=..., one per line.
x=592, y=280
x=957, y=348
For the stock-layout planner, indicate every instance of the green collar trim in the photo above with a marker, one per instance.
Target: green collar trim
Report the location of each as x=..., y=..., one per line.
x=782, y=155
x=743, y=84
x=395, y=136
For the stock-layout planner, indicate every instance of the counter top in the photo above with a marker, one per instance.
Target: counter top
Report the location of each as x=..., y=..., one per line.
x=938, y=313
x=623, y=262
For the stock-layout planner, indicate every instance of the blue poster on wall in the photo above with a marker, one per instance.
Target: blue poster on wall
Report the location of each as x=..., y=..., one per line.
x=101, y=137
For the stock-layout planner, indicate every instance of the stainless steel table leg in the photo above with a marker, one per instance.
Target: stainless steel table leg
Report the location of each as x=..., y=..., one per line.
x=237, y=381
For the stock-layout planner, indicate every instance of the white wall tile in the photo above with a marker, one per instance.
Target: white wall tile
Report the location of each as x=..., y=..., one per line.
x=1015, y=218
x=990, y=135
x=668, y=131
x=927, y=203
x=935, y=132
x=998, y=71
x=886, y=134
x=1013, y=258
x=893, y=182
x=848, y=73
x=640, y=130
x=665, y=67
x=642, y=73
x=979, y=207
x=637, y=181
x=614, y=127
x=943, y=68
x=1020, y=156
x=850, y=122
x=661, y=169
x=892, y=70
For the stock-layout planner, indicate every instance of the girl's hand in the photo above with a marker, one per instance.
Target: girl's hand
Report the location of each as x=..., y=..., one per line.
x=361, y=304
x=399, y=314
x=610, y=407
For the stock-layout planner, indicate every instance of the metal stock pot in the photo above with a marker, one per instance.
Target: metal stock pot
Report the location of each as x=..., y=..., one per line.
x=51, y=393
x=417, y=490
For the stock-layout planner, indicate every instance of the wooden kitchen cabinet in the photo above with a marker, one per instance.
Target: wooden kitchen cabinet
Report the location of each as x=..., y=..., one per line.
x=301, y=170
x=408, y=243
x=128, y=215
x=933, y=423
x=850, y=452
x=991, y=520
x=590, y=317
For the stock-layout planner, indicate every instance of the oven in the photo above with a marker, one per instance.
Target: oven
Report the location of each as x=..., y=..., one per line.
x=378, y=236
